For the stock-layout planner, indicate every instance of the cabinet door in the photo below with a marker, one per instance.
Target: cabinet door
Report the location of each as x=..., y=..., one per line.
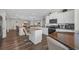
x=61, y=37
x=69, y=39
x=66, y=17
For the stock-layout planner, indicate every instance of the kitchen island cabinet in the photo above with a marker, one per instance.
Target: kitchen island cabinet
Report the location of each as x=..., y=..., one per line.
x=35, y=36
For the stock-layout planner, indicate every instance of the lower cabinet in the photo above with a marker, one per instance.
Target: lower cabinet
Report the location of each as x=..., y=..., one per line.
x=67, y=38
x=45, y=31
x=36, y=36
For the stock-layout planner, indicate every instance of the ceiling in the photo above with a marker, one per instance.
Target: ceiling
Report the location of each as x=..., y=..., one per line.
x=28, y=14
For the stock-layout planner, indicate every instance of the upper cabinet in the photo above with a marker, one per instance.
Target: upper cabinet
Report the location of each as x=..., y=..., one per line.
x=61, y=17
x=66, y=17
x=53, y=15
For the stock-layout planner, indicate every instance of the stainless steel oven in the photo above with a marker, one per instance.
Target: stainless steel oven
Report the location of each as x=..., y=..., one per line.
x=52, y=29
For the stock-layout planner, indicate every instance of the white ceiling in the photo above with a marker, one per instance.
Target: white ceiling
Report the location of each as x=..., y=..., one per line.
x=28, y=14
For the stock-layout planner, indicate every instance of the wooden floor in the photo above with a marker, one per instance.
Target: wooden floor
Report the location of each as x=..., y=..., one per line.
x=14, y=42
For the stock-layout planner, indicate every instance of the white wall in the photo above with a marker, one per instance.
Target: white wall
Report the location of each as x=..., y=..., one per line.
x=27, y=14
x=47, y=20
x=4, y=26
x=11, y=23
x=3, y=14
x=77, y=20
x=77, y=28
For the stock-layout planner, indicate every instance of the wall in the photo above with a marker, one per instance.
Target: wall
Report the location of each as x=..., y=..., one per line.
x=47, y=20
x=77, y=28
x=77, y=20
x=11, y=23
x=3, y=14
x=27, y=14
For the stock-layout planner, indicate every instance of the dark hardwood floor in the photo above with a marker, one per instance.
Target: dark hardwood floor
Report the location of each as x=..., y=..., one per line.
x=14, y=42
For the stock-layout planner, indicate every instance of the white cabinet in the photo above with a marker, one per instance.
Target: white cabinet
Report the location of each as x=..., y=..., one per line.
x=62, y=17
x=66, y=17
x=36, y=36
x=45, y=31
x=53, y=15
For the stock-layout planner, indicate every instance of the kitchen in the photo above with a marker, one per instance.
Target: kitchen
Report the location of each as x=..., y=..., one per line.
x=39, y=29
x=60, y=26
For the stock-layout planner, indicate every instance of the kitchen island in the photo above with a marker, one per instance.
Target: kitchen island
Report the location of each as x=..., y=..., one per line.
x=35, y=36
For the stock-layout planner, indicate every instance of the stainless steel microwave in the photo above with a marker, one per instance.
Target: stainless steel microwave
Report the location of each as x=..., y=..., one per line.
x=53, y=21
